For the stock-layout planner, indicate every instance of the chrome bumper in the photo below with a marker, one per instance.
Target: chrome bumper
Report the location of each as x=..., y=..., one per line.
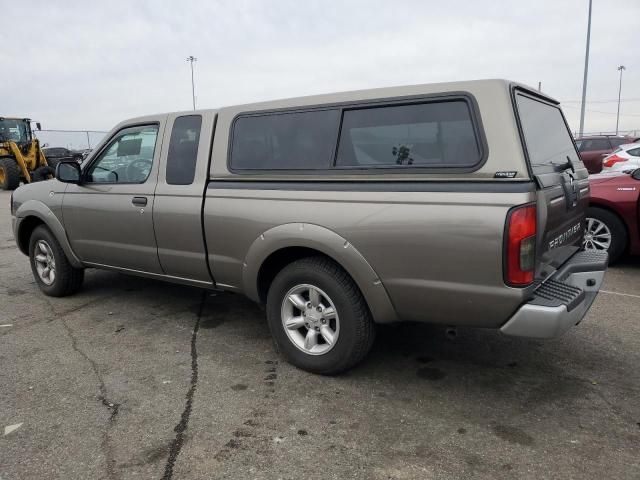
x=563, y=300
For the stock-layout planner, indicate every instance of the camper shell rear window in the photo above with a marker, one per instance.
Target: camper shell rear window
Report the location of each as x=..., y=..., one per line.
x=547, y=139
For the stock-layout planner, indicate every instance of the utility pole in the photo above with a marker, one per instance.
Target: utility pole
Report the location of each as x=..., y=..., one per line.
x=586, y=68
x=540, y=86
x=620, y=69
x=192, y=59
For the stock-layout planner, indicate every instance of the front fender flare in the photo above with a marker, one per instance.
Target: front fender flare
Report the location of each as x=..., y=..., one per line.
x=35, y=208
x=329, y=243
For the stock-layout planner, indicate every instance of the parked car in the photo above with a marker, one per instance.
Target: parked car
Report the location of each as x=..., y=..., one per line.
x=456, y=203
x=613, y=216
x=593, y=149
x=55, y=155
x=623, y=159
x=85, y=152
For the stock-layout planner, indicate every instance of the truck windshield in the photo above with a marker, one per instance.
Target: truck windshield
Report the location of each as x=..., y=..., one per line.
x=547, y=139
x=14, y=130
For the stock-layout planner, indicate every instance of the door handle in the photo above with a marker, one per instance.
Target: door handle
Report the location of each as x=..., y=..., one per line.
x=139, y=201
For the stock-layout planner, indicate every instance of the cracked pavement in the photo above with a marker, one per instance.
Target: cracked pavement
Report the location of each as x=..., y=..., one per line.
x=133, y=378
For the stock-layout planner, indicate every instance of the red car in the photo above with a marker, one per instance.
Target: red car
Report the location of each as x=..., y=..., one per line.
x=594, y=148
x=613, y=216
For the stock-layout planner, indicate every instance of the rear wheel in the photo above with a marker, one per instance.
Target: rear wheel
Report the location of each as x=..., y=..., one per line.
x=9, y=174
x=605, y=232
x=318, y=317
x=54, y=274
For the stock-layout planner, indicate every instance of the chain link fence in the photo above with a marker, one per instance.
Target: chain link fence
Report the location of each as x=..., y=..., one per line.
x=71, y=139
x=83, y=139
x=622, y=133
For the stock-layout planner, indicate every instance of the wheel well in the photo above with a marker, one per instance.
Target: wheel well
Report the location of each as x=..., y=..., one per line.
x=277, y=261
x=613, y=212
x=27, y=226
x=618, y=216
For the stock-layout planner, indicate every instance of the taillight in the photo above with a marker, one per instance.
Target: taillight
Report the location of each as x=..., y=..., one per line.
x=613, y=159
x=521, y=246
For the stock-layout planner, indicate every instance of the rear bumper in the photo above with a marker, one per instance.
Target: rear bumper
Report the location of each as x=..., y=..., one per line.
x=563, y=300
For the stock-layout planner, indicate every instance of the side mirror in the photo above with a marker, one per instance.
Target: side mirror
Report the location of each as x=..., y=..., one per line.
x=636, y=174
x=68, y=172
x=38, y=126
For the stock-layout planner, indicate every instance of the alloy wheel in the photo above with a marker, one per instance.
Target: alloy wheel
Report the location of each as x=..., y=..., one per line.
x=310, y=319
x=45, y=262
x=597, y=235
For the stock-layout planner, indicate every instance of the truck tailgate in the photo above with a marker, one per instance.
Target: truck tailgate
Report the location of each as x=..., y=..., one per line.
x=562, y=179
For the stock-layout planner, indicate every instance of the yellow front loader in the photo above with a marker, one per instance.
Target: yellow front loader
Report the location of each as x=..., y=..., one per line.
x=21, y=158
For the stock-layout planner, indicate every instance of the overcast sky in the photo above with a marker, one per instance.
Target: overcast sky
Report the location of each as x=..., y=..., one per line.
x=89, y=65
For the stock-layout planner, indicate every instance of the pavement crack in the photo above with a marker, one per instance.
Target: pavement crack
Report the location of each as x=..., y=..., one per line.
x=54, y=315
x=103, y=398
x=181, y=427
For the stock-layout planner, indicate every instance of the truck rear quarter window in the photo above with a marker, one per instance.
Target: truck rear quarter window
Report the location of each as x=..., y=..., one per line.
x=285, y=141
x=436, y=134
x=183, y=150
x=547, y=138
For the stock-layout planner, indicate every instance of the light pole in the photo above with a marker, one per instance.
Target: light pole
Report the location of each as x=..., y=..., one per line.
x=586, y=68
x=192, y=59
x=620, y=69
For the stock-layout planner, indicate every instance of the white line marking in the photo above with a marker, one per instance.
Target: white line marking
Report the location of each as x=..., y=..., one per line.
x=7, y=325
x=11, y=428
x=621, y=294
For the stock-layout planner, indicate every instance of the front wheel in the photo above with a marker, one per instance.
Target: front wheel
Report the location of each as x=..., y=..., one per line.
x=318, y=316
x=9, y=174
x=605, y=232
x=54, y=274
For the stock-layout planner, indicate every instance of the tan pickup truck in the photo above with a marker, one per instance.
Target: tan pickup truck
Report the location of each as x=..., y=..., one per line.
x=457, y=203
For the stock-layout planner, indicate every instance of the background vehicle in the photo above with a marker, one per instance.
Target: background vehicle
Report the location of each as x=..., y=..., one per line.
x=21, y=158
x=623, y=159
x=593, y=149
x=613, y=216
x=338, y=212
x=85, y=152
x=55, y=155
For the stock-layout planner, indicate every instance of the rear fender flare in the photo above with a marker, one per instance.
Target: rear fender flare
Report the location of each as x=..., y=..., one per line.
x=329, y=243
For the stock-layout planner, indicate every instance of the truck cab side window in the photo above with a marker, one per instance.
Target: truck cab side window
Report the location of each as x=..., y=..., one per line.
x=128, y=158
x=183, y=150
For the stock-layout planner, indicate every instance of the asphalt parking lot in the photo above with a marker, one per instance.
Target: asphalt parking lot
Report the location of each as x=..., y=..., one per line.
x=134, y=378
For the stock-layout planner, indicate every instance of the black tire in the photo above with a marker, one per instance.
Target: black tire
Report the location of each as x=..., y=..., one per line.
x=68, y=279
x=616, y=227
x=43, y=173
x=10, y=174
x=357, y=330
